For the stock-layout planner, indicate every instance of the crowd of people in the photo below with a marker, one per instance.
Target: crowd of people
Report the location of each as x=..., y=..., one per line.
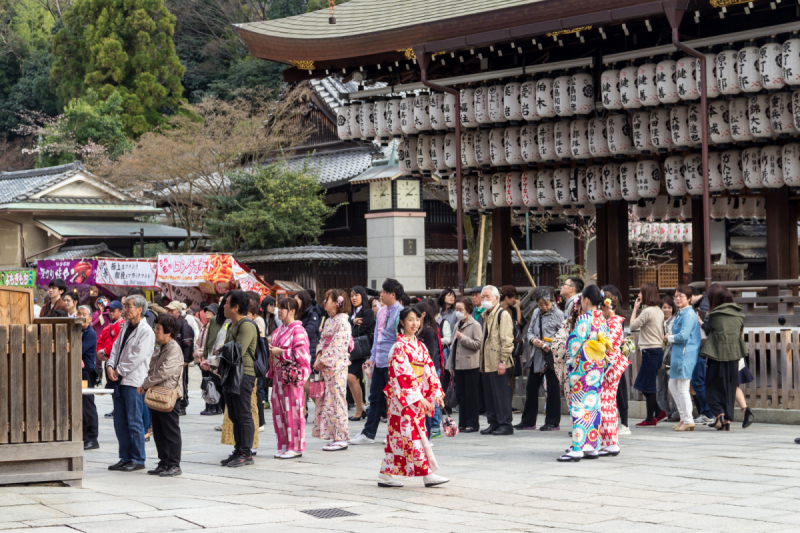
x=396, y=359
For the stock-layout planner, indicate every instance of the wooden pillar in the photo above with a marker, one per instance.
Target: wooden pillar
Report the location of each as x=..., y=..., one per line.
x=501, y=247
x=778, y=240
x=601, y=243
x=698, y=225
x=618, y=254
x=683, y=263
x=794, y=263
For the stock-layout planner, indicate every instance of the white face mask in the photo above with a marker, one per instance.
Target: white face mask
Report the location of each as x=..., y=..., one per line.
x=459, y=315
x=487, y=304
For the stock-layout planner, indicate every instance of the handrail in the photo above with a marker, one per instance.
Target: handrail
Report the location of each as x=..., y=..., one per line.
x=754, y=284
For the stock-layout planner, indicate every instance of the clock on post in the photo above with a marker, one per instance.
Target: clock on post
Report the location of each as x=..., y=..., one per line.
x=401, y=194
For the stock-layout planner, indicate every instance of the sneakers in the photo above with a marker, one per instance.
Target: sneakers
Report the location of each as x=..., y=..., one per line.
x=432, y=480
x=132, y=467
x=230, y=458
x=436, y=435
x=550, y=427
x=647, y=423
x=661, y=416
x=218, y=428
x=261, y=428
x=623, y=430
x=703, y=419
x=362, y=439
x=241, y=460
x=522, y=426
x=171, y=472
x=90, y=445
x=385, y=480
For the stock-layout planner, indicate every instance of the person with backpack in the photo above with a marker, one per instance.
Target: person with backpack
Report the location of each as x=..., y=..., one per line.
x=496, y=359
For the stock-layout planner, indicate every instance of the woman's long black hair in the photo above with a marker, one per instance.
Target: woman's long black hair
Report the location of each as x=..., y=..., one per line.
x=361, y=291
x=404, y=314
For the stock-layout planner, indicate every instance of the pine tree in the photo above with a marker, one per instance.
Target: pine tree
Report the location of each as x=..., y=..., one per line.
x=124, y=46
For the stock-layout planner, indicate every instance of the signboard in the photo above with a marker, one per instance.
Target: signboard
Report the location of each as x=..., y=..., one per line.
x=126, y=273
x=18, y=278
x=191, y=270
x=182, y=293
x=72, y=271
x=409, y=246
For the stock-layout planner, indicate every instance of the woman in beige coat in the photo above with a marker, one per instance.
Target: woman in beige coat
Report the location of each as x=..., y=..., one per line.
x=463, y=362
x=166, y=369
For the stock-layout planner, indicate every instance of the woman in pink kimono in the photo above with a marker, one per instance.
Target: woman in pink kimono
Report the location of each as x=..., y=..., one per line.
x=289, y=369
x=333, y=359
x=617, y=364
x=413, y=391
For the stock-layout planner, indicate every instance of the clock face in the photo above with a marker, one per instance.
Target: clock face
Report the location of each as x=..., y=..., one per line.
x=380, y=195
x=408, y=194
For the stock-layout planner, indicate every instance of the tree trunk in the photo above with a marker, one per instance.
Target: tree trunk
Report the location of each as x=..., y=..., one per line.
x=472, y=247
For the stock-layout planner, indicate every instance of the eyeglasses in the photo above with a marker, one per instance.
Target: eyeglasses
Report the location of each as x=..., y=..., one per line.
x=128, y=306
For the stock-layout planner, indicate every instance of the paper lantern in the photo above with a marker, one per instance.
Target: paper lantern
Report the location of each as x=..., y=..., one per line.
x=402, y=156
x=718, y=208
x=594, y=184
x=648, y=178
x=452, y=191
x=481, y=99
x=693, y=172
x=712, y=86
x=629, y=87
x=482, y=151
x=410, y=154
x=393, y=117
x=512, y=105
x=469, y=193
x=719, y=129
x=588, y=211
x=687, y=233
x=747, y=207
x=381, y=114
x=612, y=189
x=749, y=75
x=582, y=97
x=579, y=138
x=715, y=181
x=790, y=157
x=514, y=189
x=648, y=89
x=424, y=160
x=547, y=148
x=731, y=168
x=367, y=120
x=354, y=121
x=422, y=116
x=437, y=152
x=513, y=145
x=727, y=72
x=771, y=66
x=529, y=139
x=760, y=116
x=660, y=129
x=760, y=209
x=739, y=119
x=562, y=94
x=561, y=178
x=628, y=184
x=499, y=189
x=436, y=111
x=734, y=209
x=546, y=194
x=544, y=98
x=667, y=82
x=751, y=168
x=485, y=197
x=449, y=110
x=530, y=192
x=598, y=142
x=693, y=122
x=467, y=111
x=342, y=122
x=673, y=209
x=578, y=187
x=527, y=96
x=686, y=75
x=780, y=108
x=771, y=167
x=660, y=208
x=561, y=142
x=791, y=62
x=644, y=211
x=468, y=158
x=796, y=109
x=673, y=175
x=679, y=125
x=496, y=103
x=640, y=131
x=450, y=154
x=609, y=89
x=497, y=149
x=619, y=134
x=407, y=116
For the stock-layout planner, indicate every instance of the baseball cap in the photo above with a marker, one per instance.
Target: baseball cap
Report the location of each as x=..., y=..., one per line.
x=115, y=305
x=176, y=305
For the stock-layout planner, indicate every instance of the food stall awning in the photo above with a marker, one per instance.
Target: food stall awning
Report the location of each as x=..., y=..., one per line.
x=102, y=228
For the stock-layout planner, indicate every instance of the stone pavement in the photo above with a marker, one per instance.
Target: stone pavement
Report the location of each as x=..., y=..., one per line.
x=742, y=480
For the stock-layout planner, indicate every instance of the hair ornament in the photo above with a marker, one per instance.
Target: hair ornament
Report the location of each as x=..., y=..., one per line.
x=607, y=302
x=339, y=301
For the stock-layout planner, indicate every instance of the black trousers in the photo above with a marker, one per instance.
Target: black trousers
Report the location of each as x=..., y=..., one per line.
x=722, y=378
x=622, y=400
x=466, y=382
x=552, y=414
x=241, y=416
x=260, y=400
x=167, y=435
x=184, y=402
x=498, y=400
x=90, y=424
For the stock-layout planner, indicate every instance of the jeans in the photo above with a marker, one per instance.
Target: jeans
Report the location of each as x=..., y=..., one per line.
x=241, y=416
x=146, y=416
x=679, y=388
x=699, y=386
x=433, y=424
x=128, y=424
x=377, y=401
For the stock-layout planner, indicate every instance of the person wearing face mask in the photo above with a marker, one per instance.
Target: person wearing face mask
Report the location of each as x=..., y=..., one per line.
x=463, y=364
x=496, y=359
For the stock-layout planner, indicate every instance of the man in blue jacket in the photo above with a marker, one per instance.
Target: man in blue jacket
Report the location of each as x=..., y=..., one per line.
x=88, y=351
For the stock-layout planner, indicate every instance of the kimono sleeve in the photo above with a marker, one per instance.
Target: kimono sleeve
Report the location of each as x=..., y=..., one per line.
x=403, y=383
x=579, y=335
x=339, y=345
x=433, y=388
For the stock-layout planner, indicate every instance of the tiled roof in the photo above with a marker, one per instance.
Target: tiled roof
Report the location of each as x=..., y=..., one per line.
x=750, y=230
x=748, y=252
x=328, y=90
x=82, y=200
x=75, y=252
x=112, y=228
x=337, y=168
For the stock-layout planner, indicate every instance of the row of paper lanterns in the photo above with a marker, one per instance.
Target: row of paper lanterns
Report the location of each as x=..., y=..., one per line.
x=659, y=232
x=667, y=208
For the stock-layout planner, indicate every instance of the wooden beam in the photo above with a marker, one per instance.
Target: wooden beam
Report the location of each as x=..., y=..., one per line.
x=601, y=243
x=778, y=240
x=501, y=246
x=794, y=261
x=698, y=225
x=618, y=254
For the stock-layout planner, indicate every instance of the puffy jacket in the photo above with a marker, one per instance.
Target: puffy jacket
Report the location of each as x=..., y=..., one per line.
x=311, y=322
x=724, y=326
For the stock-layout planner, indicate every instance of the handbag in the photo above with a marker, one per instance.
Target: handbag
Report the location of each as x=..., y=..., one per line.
x=162, y=399
x=316, y=387
x=450, y=398
x=361, y=348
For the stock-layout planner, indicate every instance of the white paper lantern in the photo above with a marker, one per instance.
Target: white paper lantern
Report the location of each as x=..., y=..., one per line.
x=761, y=209
x=686, y=74
x=544, y=98
x=629, y=87
x=796, y=109
x=790, y=157
x=424, y=160
x=467, y=101
x=513, y=145
x=660, y=208
x=619, y=134
x=496, y=103
x=382, y=119
x=436, y=111
x=660, y=129
x=449, y=110
x=673, y=175
x=772, y=167
x=579, y=138
x=547, y=148
x=438, y=152
x=712, y=87
x=514, y=189
x=609, y=89
x=760, y=116
x=693, y=172
x=450, y=154
x=751, y=168
x=367, y=120
x=482, y=150
x=718, y=208
x=715, y=181
x=529, y=138
x=468, y=158
x=648, y=89
x=410, y=154
x=719, y=129
x=612, y=189
x=394, y=110
x=481, y=100
x=497, y=149
x=728, y=72
x=749, y=75
x=562, y=93
x=582, y=97
x=694, y=123
x=747, y=207
x=734, y=209
x=731, y=168
x=403, y=159
x=499, y=189
x=407, y=116
x=485, y=197
x=598, y=141
x=628, y=184
x=354, y=121
x=469, y=191
x=546, y=194
x=686, y=208
x=530, y=192
x=578, y=187
x=739, y=118
x=771, y=66
x=527, y=96
x=644, y=211
x=422, y=117
x=561, y=186
x=512, y=105
x=673, y=209
x=594, y=184
x=640, y=131
x=780, y=108
x=452, y=191
x=342, y=122
x=648, y=178
x=667, y=82
x=791, y=62
x=679, y=125
x=561, y=139
x=687, y=233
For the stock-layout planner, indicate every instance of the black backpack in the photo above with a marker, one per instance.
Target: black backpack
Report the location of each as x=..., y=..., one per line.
x=261, y=359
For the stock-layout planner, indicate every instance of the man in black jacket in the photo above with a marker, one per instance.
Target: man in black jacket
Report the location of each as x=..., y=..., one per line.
x=185, y=340
x=88, y=351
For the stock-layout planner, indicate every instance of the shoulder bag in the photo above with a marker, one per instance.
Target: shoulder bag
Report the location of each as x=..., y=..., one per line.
x=291, y=371
x=162, y=399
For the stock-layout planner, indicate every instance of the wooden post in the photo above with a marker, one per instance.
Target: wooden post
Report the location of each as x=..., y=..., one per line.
x=601, y=243
x=778, y=240
x=479, y=279
x=698, y=226
x=501, y=246
x=522, y=262
x=794, y=262
x=618, y=254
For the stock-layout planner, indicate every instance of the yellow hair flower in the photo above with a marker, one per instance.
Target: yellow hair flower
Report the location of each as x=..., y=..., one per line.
x=607, y=302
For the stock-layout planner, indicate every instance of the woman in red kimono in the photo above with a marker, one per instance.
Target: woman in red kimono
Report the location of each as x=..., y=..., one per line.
x=617, y=364
x=412, y=392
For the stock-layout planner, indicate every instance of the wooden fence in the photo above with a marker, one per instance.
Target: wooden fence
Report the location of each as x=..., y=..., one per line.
x=41, y=417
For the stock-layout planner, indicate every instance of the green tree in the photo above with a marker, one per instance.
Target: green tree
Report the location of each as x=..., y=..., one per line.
x=272, y=206
x=124, y=46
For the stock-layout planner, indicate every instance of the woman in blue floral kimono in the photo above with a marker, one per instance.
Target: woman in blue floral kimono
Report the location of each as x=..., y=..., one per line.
x=586, y=362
